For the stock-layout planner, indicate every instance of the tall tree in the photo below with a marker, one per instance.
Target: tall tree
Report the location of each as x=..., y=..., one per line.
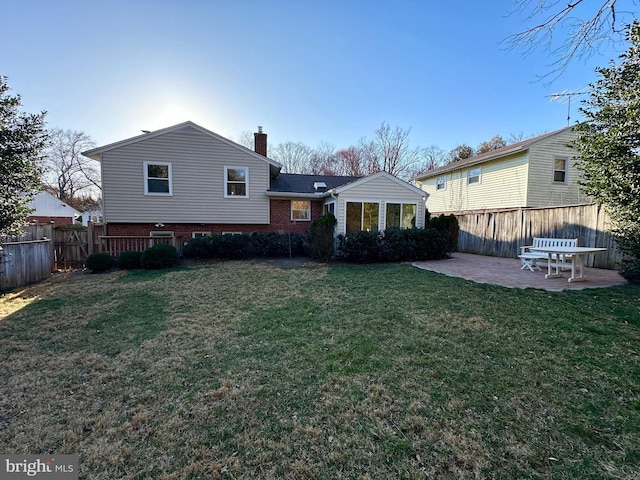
x=608, y=146
x=493, y=144
x=294, y=157
x=389, y=151
x=22, y=139
x=589, y=25
x=66, y=171
x=461, y=152
x=349, y=161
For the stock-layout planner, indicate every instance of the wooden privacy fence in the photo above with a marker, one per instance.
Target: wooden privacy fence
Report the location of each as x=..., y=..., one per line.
x=71, y=246
x=501, y=233
x=26, y=258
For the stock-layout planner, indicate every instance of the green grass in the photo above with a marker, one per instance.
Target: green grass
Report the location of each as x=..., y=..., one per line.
x=247, y=370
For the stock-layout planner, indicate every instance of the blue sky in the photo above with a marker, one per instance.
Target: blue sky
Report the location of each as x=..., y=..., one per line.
x=322, y=71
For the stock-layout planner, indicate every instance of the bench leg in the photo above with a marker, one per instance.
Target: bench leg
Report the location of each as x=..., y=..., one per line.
x=529, y=263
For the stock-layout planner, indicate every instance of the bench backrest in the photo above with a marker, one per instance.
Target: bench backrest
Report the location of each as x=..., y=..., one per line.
x=554, y=242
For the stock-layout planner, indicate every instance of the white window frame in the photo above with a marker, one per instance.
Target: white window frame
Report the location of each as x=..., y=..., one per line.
x=200, y=234
x=441, y=183
x=402, y=204
x=145, y=167
x=565, y=171
x=329, y=207
x=308, y=210
x=472, y=174
x=362, y=203
x=226, y=181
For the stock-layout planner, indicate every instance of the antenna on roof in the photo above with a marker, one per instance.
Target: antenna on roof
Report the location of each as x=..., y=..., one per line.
x=565, y=96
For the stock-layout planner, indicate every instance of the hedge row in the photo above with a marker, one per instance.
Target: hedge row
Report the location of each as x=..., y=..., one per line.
x=256, y=244
x=393, y=245
x=153, y=258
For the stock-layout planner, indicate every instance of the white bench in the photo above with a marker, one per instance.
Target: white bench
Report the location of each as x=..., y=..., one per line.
x=531, y=258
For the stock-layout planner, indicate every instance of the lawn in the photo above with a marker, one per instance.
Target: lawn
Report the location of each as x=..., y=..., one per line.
x=246, y=370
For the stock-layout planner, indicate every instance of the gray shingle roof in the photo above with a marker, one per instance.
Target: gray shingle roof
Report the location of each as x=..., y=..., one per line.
x=299, y=183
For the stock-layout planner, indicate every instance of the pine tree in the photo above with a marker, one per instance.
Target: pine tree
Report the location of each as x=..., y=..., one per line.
x=609, y=149
x=22, y=140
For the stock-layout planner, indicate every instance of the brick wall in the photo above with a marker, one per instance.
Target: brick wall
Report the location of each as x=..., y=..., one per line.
x=280, y=221
x=57, y=221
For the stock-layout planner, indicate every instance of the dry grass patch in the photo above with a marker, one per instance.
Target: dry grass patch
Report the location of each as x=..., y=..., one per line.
x=248, y=370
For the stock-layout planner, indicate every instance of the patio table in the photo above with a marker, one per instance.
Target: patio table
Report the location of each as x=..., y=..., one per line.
x=557, y=254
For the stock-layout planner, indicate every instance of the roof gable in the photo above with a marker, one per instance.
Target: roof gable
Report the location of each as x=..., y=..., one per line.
x=492, y=155
x=388, y=176
x=185, y=127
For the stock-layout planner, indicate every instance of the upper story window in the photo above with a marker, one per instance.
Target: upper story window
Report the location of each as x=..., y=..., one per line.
x=560, y=170
x=473, y=176
x=158, y=178
x=441, y=183
x=236, y=182
x=300, y=210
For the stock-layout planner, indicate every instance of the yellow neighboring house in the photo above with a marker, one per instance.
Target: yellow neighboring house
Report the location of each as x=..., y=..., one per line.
x=538, y=172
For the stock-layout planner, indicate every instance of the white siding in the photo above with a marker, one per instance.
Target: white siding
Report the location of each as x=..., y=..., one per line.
x=198, y=162
x=379, y=190
x=543, y=191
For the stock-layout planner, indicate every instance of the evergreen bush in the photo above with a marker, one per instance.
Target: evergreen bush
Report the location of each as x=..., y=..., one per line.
x=321, y=241
x=449, y=228
x=159, y=256
x=129, y=260
x=99, y=262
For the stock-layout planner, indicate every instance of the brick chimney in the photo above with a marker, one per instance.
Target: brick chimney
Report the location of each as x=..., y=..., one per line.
x=260, y=142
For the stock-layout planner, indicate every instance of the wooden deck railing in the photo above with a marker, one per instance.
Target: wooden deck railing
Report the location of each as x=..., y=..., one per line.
x=115, y=245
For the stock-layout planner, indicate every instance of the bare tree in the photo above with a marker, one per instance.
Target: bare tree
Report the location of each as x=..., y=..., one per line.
x=246, y=139
x=66, y=171
x=493, y=144
x=590, y=25
x=389, y=151
x=294, y=157
x=350, y=162
x=321, y=159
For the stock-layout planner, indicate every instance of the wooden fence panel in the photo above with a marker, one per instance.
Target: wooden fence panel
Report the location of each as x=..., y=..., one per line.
x=71, y=246
x=26, y=262
x=501, y=233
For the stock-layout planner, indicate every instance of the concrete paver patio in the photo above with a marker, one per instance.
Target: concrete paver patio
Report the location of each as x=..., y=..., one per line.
x=507, y=272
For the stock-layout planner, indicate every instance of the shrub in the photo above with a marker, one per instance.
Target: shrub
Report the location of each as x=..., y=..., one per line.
x=159, y=256
x=231, y=247
x=99, y=262
x=129, y=260
x=393, y=245
x=449, y=228
x=360, y=247
x=200, y=247
x=321, y=242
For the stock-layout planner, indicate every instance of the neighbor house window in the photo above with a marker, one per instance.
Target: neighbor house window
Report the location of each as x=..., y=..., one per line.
x=236, y=181
x=300, y=210
x=362, y=216
x=560, y=170
x=473, y=176
x=157, y=178
x=441, y=183
x=401, y=215
x=200, y=234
